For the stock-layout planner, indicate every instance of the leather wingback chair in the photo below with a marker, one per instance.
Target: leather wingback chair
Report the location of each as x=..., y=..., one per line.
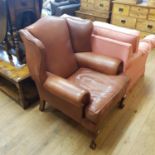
x=124, y=44
x=3, y=20
x=84, y=85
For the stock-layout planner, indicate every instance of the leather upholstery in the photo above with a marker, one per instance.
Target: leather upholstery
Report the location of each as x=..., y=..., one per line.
x=111, y=48
x=64, y=89
x=83, y=85
x=150, y=39
x=35, y=57
x=105, y=90
x=57, y=44
x=80, y=31
x=117, y=33
x=99, y=63
x=123, y=43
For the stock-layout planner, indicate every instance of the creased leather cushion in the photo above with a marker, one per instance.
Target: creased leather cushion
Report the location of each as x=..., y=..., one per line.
x=80, y=32
x=105, y=91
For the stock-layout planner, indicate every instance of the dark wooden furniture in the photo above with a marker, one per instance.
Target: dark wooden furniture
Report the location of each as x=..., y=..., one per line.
x=3, y=20
x=16, y=82
x=15, y=15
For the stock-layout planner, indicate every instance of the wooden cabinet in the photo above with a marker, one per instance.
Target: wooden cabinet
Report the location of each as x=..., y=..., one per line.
x=136, y=16
x=95, y=10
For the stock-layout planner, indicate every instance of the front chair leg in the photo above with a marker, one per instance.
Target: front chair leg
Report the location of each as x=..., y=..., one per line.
x=93, y=144
x=42, y=105
x=121, y=103
x=93, y=141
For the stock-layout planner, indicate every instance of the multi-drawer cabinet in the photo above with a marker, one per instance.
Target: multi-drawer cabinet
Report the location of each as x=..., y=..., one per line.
x=136, y=16
x=95, y=10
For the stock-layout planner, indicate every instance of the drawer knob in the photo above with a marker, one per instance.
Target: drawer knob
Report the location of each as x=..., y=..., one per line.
x=150, y=26
x=123, y=21
x=101, y=5
x=120, y=9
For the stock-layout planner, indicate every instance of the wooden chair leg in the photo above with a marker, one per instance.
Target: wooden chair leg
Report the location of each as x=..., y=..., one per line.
x=121, y=103
x=93, y=141
x=93, y=144
x=42, y=105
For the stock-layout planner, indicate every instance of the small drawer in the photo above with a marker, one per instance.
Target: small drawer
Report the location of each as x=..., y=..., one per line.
x=121, y=9
x=22, y=4
x=146, y=25
x=124, y=21
x=151, y=15
x=139, y=12
x=102, y=5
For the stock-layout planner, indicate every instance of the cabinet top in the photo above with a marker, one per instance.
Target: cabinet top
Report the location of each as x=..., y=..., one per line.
x=144, y=4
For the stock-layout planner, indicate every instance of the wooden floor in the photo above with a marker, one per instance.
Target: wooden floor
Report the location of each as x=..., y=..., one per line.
x=130, y=131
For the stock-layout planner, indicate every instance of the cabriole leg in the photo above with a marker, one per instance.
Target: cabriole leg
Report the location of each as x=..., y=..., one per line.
x=93, y=141
x=121, y=103
x=42, y=105
x=93, y=144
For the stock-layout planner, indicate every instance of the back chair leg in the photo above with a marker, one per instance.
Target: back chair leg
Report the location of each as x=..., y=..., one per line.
x=42, y=105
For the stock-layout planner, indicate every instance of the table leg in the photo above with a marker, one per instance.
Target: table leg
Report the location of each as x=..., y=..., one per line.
x=21, y=95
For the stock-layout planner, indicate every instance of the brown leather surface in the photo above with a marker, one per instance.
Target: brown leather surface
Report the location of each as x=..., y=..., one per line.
x=34, y=56
x=101, y=63
x=80, y=32
x=54, y=34
x=102, y=88
x=64, y=89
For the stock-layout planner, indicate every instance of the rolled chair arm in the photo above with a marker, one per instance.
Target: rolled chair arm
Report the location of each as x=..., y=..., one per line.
x=65, y=90
x=144, y=47
x=101, y=63
x=150, y=39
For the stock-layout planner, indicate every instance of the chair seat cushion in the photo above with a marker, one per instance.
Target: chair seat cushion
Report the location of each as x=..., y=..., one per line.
x=105, y=91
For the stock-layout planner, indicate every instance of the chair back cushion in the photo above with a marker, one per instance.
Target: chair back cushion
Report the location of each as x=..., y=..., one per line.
x=80, y=32
x=53, y=33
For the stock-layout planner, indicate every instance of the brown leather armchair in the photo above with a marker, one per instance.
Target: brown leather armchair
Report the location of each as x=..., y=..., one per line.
x=84, y=85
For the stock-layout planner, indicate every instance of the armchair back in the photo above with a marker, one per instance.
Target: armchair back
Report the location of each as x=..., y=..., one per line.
x=53, y=33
